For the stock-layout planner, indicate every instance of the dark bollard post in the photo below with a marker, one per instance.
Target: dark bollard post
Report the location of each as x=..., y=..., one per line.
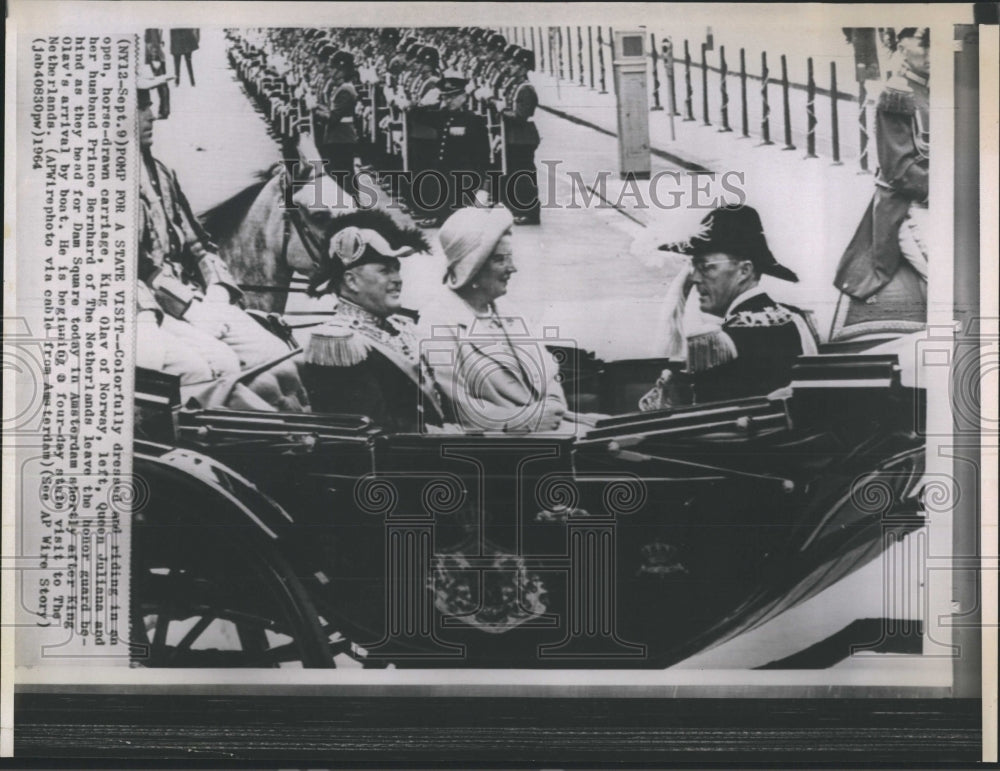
x=656, y=74
x=834, y=114
x=704, y=84
x=784, y=101
x=724, y=89
x=688, y=91
x=540, y=49
x=765, y=106
x=810, y=111
x=590, y=53
x=863, y=124
x=600, y=60
x=562, y=58
x=552, y=56
x=579, y=53
x=744, y=116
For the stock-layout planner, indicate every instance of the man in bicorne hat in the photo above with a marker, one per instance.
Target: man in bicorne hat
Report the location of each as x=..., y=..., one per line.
x=753, y=352
x=366, y=359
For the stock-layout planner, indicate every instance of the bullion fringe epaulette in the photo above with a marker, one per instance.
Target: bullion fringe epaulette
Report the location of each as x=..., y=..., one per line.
x=709, y=350
x=773, y=316
x=336, y=346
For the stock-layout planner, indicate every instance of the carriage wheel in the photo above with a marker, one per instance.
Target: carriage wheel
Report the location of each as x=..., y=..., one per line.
x=205, y=597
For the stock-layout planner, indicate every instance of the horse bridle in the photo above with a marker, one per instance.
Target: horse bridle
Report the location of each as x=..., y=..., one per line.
x=315, y=246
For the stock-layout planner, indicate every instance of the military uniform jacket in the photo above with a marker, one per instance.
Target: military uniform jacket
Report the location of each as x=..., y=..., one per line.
x=901, y=122
x=753, y=353
x=463, y=141
x=522, y=100
x=337, y=110
x=170, y=260
x=359, y=364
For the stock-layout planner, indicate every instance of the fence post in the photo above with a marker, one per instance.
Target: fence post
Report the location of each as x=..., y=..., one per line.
x=688, y=91
x=744, y=116
x=704, y=84
x=552, y=59
x=579, y=53
x=863, y=124
x=834, y=114
x=784, y=101
x=600, y=58
x=611, y=46
x=765, y=106
x=810, y=111
x=656, y=74
x=562, y=56
x=668, y=63
x=724, y=95
x=569, y=53
x=590, y=53
x=541, y=61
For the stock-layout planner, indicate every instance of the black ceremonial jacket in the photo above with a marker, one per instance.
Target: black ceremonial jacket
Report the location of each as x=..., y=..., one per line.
x=753, y=353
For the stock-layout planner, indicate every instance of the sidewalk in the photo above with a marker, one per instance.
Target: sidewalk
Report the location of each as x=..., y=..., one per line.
x=810, y=208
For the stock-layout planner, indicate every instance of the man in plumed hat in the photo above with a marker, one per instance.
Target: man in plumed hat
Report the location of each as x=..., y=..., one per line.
x=366, y=358
x=759, y=340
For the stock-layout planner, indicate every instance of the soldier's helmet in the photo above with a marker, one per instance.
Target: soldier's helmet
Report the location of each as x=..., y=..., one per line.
x=497, y=42
x=429, y=55
x=525, y=57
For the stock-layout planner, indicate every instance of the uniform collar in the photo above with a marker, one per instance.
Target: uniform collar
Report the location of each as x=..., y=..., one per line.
x=356, y=313
x=742, y=298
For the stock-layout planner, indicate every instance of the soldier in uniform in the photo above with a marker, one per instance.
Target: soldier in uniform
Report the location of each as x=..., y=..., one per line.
x=519, y=185
x=366, y=358
x=338, y=140
x=461, y=154
x=885, y=265
x=753, y=352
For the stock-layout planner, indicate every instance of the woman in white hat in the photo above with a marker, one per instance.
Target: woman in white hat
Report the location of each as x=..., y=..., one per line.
x=492, y=373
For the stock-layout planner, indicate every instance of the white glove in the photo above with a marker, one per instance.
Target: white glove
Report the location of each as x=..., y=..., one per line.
x=500, y=104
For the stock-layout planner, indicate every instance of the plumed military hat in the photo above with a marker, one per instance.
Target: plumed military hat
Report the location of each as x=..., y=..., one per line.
x=327, y=51
x=735, y=231
x=361, y=237
x=510, y=50
x=389, y=35
x=405, y=44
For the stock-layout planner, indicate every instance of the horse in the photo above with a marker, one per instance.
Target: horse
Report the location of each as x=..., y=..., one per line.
x=263, y=242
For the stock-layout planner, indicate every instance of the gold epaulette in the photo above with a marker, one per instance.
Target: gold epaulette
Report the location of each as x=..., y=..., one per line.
x=709, y=350
x=333, y=345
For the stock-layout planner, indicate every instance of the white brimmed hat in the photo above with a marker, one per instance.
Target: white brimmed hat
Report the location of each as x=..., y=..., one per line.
x=468, y=238
x=145, y=80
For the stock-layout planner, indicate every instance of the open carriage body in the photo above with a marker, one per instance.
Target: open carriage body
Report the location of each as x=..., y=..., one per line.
x=634, y=543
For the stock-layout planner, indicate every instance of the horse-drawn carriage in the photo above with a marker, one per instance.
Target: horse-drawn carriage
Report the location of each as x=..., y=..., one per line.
x=271, y=538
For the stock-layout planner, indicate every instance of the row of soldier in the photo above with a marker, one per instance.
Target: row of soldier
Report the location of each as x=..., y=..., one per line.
x=440, y=116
